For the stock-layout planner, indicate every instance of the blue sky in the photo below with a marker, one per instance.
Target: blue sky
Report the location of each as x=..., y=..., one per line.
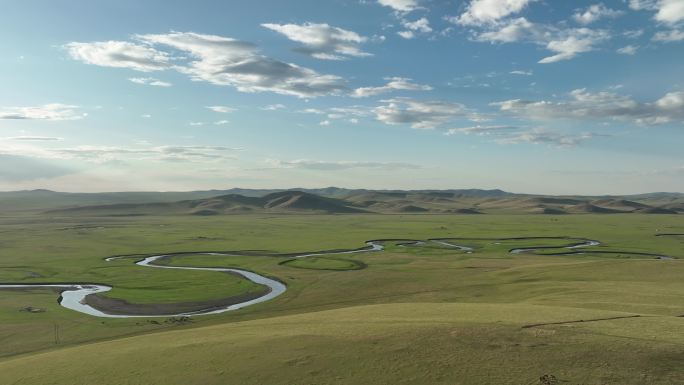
x=558, y=97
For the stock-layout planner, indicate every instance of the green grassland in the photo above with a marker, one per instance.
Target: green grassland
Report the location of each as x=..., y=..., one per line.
x=412, y=314
x=325, y=263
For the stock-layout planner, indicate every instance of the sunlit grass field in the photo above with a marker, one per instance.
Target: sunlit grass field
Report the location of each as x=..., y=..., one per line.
x=408, y=314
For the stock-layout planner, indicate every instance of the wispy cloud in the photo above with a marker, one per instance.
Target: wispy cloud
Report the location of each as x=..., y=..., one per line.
x=211, y=58
x=322, y=41
x=584, y=105
x=492, y=21
x=481, y=12
x=351, y=114
x=120, y=54
x=628, y=50
x=401, y=5
x=594, y=13
x=273, y=107
x=520, y=72
x=543, y=136
x=566, y=43
x=413, y=28
x=667, y=11
x=670, y=36
x=215, y=123
x=34, y=138
x=150, y=82
x=504, y=134
x=222, y=109
x=418, y=114
x=393, y=84
x=103, y=154
x=53, y=111
x=481, y=130
x=340, y=165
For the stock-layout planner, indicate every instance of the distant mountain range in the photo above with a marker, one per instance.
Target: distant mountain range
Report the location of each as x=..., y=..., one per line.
x=332, y=200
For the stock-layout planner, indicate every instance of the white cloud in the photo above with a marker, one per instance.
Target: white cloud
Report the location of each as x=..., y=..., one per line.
x=418, y=114
x=670, y=36
x=514, y=30
x=515, y=135
x=339, y=165
x=222, y=109
x=585, y=105
x=595, y=12
x=520, y=72
x=421, y=25
x=480, y=130
x=34, y=138
x=273, y=107
x=147, y=116
x=348, y=112
x=633, y=34
x=315, y=111
x=150, y=82
x=52, y=111
x=638, y=5
x=575, y=42
x=566, y=43
x=226, y=61
x=406, y=34
x=628, y=50
x=215, y=59
x=400, y=5
x=322, y=41
x=667, y=11
x=216, y=123
x=103, y=154
x=543, y=136
x=670, y=11
x=394, y=83
x=481, y=12
x=120, y=54
x=673, y=101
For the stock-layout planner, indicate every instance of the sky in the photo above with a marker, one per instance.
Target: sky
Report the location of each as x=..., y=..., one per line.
x=530, y=96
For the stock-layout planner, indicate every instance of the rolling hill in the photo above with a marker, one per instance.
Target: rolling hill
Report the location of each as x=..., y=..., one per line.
x=278, y=202
x=406, y=343
x=332, y=200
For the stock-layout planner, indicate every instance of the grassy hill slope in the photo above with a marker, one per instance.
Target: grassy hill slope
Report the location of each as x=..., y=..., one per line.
x=334, y=200
x=404, y=343
x=278, y=202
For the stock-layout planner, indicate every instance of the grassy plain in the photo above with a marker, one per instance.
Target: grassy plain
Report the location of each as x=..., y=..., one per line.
x=413, y=315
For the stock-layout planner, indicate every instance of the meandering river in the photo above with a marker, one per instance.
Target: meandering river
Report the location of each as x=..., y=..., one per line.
x=73, y=295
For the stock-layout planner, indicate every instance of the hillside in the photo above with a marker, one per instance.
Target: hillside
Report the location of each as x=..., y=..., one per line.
x=486, y=202
x=333, y=200
x=42, y=199
x=278, y=202
x=406, y=343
